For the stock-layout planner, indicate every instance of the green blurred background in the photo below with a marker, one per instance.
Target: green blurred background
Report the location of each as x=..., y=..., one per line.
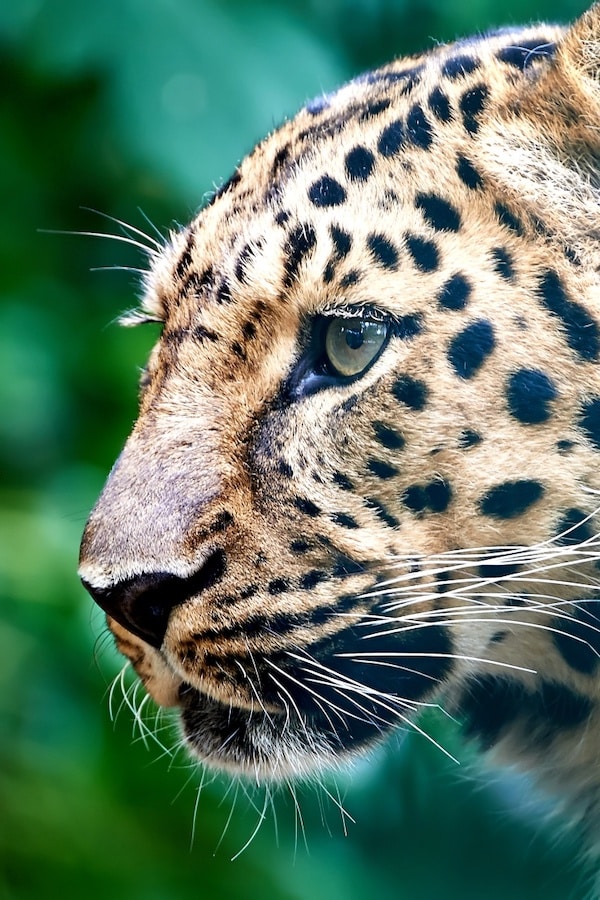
x=129, y=105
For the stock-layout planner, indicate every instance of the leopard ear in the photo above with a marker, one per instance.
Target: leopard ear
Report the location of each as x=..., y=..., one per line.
x=543, y=145
x=579, y=52
x=573, y=83
x=563, y=103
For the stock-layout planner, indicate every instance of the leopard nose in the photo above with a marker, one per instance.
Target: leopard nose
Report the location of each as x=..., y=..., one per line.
x=143, y=604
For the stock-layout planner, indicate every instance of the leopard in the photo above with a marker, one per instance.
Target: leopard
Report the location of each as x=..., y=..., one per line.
x=365, y=474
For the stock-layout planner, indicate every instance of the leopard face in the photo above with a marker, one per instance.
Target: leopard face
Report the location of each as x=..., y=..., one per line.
x=365, y=468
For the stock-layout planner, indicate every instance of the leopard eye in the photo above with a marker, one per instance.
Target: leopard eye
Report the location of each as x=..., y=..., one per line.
x=352, y=344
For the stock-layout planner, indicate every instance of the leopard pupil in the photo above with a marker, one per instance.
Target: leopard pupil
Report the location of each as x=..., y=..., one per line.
x=354, y=338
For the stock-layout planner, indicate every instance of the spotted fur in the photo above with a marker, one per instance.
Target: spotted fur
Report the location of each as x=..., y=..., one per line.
x=297, y=557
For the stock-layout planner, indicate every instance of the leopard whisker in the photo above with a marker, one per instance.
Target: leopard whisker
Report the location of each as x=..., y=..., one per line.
x=152, y=242
x=119, y=238
x=261, y=819
x=236, y=782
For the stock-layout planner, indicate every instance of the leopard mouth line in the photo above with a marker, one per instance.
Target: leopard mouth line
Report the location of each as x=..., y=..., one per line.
x=269, y=745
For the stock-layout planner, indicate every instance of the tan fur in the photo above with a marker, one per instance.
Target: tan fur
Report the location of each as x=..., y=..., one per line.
x=222, y=451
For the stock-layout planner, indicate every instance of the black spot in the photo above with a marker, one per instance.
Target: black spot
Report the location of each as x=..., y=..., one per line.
x=359, y=164
x=498, y=637
x=381, y=511
x=174, y=336
x=439, y=495
x=589, y=421
x=562, y=707
x=572, y=256
x=349, y=404
x=494, y=704
x=280, y=159
x=329, y=272
x=391, y=139
x=201, y=333
x=573, y=528
x=511, y=498
x=248, y=591
x=227, y=186
x=454, y=294
x=528, y=393
x=459, y=66
x=350, y=278
x=467, y=173
x=503, y=264
x=438, y=213
x=282, y=217
x=581, y=329
x=410, y=391
x=185, y=260
x=470, y=348
x=221, y=522
x=223, y=294
x=526, y=53
x=311, y=579
x=242, y=261
x=299, y=546
x=285, y=469
x=440, y=105
x=468, y=439
x=424, y=253
x=388, y=437
x=381, y=469
x=564, y=446
x=383, y=251
x=490, y=705
x=238, y=349
x=498, y=570
x=434, y=496
x=342, y=241
x=342, y=481
x=326, y=192
x=408, y=326
x=577, y=636
x=506, y=217
x=418, y=128
x=344, y=519
x=300, y=242
x=249, y=330
x=199, y=283
x=374, y=109
x=278, y=586
x=472, y=103
x=307, y=507
x=414, y=497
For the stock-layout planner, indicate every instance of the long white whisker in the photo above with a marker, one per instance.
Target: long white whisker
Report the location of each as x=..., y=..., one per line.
x=261, y=819
x=131, y=228
x=120, y=238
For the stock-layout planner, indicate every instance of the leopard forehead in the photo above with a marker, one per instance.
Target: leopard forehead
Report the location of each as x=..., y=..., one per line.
x=406, y=142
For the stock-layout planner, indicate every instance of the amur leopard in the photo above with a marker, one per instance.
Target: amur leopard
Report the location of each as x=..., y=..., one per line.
x=366, y=470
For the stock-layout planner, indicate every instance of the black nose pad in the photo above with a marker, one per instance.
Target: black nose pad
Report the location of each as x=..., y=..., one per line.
x=144, y=603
